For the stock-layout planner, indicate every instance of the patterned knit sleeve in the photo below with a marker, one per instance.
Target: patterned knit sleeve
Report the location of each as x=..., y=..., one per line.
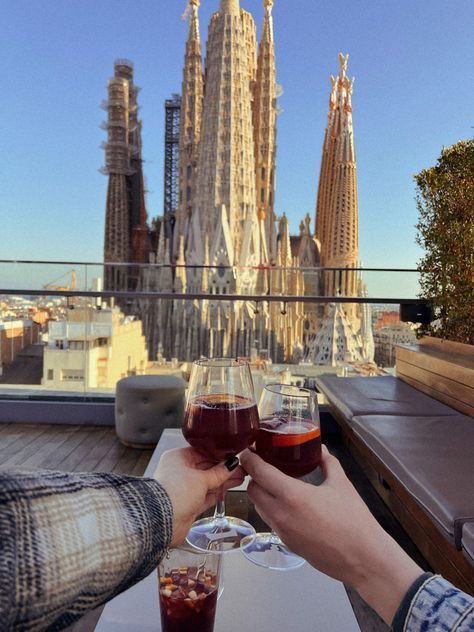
x=436, y=605
x=70, y=542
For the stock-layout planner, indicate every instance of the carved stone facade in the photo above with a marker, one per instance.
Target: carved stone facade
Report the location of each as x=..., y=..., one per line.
x=227, y=238
x=337, y=208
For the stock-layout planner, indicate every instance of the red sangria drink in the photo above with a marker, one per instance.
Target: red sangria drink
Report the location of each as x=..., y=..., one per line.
x=289, y=438
x=221, y=420
x=220, y=425
x=294, y=447
x=188, y=600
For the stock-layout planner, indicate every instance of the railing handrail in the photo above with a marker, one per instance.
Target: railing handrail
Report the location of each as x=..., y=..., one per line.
x=191, y=296
x=200, y=266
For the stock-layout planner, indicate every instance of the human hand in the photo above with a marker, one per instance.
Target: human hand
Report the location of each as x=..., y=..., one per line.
x=193, y=484
x=332, y=528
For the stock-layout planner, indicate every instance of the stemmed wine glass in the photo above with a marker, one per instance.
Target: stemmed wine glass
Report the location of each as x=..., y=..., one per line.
x=289, y=438
x=221, y=420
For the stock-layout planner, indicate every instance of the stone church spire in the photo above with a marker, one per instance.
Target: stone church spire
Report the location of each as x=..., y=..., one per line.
x=226, y=163
x=230, y=6
x=264, y=120
x=126, y=230
x=190, y=123
x=327, y=169
x=337, y=210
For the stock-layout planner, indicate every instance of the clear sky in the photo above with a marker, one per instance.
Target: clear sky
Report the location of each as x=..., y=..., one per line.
x=413, y=62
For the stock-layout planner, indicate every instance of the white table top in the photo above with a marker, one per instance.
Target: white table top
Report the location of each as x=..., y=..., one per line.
x=254, y=599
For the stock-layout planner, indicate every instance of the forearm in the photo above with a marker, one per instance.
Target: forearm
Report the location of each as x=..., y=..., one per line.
x=70, y=542
x=383, y=574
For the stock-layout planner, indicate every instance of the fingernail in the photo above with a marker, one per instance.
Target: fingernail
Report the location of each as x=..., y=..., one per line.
x=232, y=463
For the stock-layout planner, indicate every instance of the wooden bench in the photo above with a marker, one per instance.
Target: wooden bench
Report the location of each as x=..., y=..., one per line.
x=440, y=368
x=417, y=451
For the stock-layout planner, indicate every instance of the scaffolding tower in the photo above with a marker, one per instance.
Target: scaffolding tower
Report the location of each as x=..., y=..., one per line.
x=171, y=189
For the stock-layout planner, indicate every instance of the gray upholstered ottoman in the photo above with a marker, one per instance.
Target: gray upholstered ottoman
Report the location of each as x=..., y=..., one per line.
x=145, y=405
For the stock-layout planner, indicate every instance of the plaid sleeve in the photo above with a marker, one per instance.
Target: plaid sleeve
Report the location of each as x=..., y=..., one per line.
x=70, y=542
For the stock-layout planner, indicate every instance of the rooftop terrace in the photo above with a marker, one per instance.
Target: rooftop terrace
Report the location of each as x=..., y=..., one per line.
x=93, y=448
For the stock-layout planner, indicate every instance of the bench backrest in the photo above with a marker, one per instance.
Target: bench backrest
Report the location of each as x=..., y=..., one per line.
x=440, y=368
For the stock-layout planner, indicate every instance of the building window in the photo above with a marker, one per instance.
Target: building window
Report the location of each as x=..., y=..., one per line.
x=262, y=195
x=72, y=375
x=263, y=173
x=50, y=374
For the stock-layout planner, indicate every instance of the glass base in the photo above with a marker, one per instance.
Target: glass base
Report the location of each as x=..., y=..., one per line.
x=267, y=550
x=219, y=535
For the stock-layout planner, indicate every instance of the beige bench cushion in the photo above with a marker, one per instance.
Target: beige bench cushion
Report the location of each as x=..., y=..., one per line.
x=379, y=395
x=433, y=458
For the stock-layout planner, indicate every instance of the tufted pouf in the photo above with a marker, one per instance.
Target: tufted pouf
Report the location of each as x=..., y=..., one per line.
x=145, y=405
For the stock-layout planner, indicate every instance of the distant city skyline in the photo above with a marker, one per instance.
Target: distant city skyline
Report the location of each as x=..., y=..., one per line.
x=412, y=96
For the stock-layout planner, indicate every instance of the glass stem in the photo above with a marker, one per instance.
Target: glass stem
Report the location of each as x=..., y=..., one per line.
x=219, y=512
x=274, y=538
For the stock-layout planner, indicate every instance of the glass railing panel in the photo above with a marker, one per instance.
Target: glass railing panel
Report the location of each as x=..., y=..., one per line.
x=391, y=284
x=43, y=276
x=34, y=340
x=83, y=341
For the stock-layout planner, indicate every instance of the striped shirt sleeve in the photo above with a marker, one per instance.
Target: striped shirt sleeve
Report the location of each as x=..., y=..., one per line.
x=70, y=542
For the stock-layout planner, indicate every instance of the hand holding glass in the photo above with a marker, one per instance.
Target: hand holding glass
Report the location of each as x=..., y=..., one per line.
x=289, y=438
x=221, y=420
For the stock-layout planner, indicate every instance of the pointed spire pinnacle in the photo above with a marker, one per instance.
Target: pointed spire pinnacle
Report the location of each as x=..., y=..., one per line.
x=343, y=59
x=160, y=252
x=349, y=90
x=192, y=9
x=283, y=220
x=230, y=6
x=333, y=98
x=267, y=33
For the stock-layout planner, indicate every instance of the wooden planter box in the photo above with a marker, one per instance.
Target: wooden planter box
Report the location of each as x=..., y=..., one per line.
x=440, y=368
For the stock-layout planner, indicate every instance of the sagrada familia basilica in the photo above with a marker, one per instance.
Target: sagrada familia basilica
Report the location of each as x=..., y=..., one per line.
x=225, y=237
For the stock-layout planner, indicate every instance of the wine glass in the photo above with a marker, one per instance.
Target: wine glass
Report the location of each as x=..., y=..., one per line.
x=221, y=420
x=289, y=438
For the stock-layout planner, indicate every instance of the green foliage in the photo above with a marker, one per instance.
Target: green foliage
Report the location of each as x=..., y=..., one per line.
x=445, y=201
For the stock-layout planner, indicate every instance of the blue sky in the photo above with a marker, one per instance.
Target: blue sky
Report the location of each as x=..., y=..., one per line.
x=413, y=63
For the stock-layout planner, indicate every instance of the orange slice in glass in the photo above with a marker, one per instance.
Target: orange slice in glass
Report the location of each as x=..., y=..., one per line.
x=286, y=440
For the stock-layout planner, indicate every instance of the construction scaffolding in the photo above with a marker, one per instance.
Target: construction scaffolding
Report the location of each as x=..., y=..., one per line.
x=171, y=189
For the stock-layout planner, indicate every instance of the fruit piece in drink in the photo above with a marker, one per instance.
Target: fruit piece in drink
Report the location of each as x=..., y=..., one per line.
x=188, y=602
x=220, y=425
x=294, y=447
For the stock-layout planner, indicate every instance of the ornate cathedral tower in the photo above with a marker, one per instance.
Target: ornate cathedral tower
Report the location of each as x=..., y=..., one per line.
x=265, y=117
x=225, y=196
x=190, y=125
x=337, y=216
x=126, y=231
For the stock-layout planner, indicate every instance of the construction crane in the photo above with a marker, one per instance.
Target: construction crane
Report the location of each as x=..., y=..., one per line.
x=53, y=285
